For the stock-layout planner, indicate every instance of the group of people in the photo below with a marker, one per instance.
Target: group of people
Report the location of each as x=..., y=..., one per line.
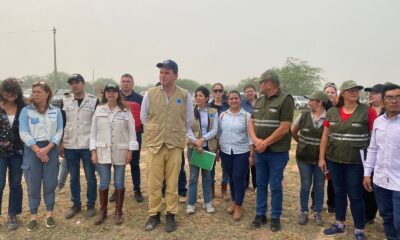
x=350, y=144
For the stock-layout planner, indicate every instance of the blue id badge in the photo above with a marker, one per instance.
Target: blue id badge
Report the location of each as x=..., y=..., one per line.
x=34, y=120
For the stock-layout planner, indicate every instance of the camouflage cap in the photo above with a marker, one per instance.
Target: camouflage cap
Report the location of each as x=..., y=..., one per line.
x=269, y=75
x=349, y=84
x=318, y=95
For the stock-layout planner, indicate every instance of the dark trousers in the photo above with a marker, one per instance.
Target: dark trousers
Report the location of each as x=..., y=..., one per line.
x=389, y=208
x=135, y=167
x=236, y=166
x=330, y=193
x=347, y=182
x=251, y=170
x=182, y=181
x=371, y=208
x=13, y=163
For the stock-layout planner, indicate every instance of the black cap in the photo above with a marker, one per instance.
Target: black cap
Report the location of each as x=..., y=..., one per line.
x=75, y=77
x=111, y=86
x=378, y=88
x=170, y=64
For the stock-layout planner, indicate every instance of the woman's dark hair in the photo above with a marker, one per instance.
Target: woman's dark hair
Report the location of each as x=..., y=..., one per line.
x=220, y=84
x=43, y=85
x=340, y=102
x=120, y=104
x=206, y=93
x=234, y=92
x=11, y=85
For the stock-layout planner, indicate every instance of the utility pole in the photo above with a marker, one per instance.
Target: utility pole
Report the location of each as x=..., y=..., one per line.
x=55, y=60
x=93, y=91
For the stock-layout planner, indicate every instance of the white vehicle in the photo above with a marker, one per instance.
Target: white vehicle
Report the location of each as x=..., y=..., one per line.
x=300, y=102
x=27, y=93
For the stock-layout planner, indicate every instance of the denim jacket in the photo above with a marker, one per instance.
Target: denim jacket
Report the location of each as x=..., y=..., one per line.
x=10, y=142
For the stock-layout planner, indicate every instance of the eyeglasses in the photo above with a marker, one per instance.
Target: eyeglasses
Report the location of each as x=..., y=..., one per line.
x=218, y=90
x=391, y=98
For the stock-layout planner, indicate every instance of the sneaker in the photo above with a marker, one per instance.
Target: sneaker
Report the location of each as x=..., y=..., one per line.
x=72, y=211
x=12, y=223
x=32, y=225
x=190, y=209
x=209, y=208
x=138, y=197
x=359, y=235
x=170, y=225
x=303, y=218
x=275, y=225
x=331, y=210
x=318, y=219
x=91, y=211
x=335, y=230
x=182, y=199
x=152, y=222
x=50, y=223
x=258, y=221
x=112, y=197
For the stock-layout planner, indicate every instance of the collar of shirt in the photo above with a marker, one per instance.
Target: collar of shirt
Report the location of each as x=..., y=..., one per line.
x=241, y=112
x=387, y=118
x=277, y=93
x=316, y=119
x=205, y=109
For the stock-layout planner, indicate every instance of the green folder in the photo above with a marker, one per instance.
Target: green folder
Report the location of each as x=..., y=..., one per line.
x=205, y=160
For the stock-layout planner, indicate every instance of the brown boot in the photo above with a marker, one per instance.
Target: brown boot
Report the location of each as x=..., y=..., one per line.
x=224, y=191
x=119, y=202
x=103, y=194
x=237, y=215
x=212, y=190
x=231, y=209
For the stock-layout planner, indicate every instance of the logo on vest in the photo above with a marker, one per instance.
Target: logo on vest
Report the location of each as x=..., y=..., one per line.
x=256, y=110
x=356, y=125
x=273, y=110
x=179, y=101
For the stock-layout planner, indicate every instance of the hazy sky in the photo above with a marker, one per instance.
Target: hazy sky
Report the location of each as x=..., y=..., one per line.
x=211, y=40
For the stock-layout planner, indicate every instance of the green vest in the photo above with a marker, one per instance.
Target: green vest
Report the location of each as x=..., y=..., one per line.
x=166, y=122
x=309, y=139
x=212, y=143
x=347, y=138
x=266, y=118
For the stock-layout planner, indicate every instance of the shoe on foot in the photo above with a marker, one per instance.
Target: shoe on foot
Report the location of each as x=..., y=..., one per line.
x=303, y=218
x=138, y=197
x=182, y=199
x=190, y=209
x=91, y=211
x=275, y=225
x=32, y=225
x=72, y=211
x=335, y=230
x=209, y=208
x=231, y=208
x=50, y=223
x=318, y=219
x=152, y=222
x=170, y=225
x=12, y=223
x=258, y=221
x=359, y=235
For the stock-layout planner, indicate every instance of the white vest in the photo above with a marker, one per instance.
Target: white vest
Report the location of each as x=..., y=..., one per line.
x=78, y=121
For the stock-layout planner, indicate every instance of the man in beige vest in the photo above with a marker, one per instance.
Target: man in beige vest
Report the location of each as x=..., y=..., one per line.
x=167, y=114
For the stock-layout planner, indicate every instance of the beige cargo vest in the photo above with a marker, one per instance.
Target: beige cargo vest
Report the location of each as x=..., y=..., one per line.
x=78, y=121
x=212, y=143
x=166, y=122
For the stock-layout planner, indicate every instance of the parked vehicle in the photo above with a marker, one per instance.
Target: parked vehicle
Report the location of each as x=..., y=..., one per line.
x=300, y=102
x=59, y=96
x=27, y=93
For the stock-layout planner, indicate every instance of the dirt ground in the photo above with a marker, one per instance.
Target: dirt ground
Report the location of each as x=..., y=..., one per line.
x=198, y=226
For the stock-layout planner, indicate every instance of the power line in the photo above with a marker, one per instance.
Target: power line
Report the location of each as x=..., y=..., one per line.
x=31, y=31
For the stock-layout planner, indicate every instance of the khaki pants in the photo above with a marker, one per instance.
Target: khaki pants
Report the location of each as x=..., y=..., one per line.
x=166, y=162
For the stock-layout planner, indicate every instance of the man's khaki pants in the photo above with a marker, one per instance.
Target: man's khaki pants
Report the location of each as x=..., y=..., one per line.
x=164, y=163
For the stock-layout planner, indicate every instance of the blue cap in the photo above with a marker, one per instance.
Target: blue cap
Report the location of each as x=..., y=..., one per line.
x=170, y=64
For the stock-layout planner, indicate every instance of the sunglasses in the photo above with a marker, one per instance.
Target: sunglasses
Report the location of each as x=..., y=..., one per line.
x=42, y=83
x=218, y=90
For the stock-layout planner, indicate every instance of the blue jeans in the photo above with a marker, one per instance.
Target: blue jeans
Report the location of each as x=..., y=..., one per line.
x=105, y=176
x=311, y=173
x=389, y=208
x=237, y=167
x=182, y=182
x=13, y=162
x=73, y=158
x=347, y=180
x=63, y=173
x=193, y=181
x=269, y=171
x=135, y=167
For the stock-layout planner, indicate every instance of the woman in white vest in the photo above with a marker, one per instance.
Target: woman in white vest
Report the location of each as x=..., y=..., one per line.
x=112, y=140
x=202, y=137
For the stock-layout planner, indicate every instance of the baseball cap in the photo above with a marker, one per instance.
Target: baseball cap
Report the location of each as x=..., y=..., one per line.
x=318, y=95
x=111, y=86
x=75, y=77
x=378, y=88
x=349, y=84
x=270, y=74
x=170, y=64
